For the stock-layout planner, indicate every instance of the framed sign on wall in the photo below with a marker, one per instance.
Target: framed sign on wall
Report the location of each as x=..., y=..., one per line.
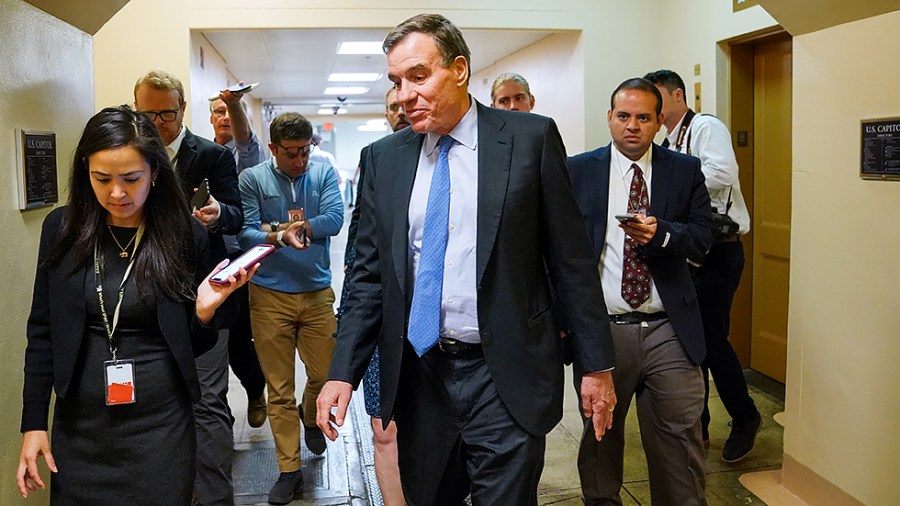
x=37, y=174
x=879, y=148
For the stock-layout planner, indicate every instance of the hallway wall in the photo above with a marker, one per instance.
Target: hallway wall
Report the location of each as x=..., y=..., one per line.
x=841, y=405
x=554, y=70
x=46, y=84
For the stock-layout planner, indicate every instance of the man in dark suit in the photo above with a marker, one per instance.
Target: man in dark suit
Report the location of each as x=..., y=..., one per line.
x=663, y=213
x=460, y=213
x=160, y=96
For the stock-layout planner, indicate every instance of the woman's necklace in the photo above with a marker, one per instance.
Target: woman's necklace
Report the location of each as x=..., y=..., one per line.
x=124, y=253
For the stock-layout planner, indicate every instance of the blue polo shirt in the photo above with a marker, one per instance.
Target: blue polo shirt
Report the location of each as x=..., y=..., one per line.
x=267, y=195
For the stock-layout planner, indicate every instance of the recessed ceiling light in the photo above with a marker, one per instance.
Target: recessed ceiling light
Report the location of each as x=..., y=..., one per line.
x=354, y=77
x=328, y=111
x=360, y=47
x=345, y=90
x=370, y=127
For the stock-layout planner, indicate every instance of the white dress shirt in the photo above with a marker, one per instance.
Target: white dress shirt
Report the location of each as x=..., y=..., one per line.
x=612, y=257
x=710, y=141
x=175, y=145
x=459, y=303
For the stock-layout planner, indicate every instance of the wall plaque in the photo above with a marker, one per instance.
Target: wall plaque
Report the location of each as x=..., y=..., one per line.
x=880, y=148
x=38, y=186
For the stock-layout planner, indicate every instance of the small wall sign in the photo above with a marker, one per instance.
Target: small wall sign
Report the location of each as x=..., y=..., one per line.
x=37, y=174
x=880, y=148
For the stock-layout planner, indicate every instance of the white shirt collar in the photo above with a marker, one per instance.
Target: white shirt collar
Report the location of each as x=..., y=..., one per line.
x=621, y=164
x=465, y=132
x=176, y=144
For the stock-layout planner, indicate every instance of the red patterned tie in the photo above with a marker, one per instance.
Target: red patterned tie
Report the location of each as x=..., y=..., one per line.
x=635, y=271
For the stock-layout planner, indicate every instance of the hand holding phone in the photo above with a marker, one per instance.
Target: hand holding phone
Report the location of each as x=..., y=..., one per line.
x=297, y=215
x=629, y=218
x=246, y=261
x=201, y=196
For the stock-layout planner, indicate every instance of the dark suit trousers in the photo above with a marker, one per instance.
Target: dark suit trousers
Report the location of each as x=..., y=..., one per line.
x=715, y=283
x=652, y=366
x=213, y=420
x=455, y=435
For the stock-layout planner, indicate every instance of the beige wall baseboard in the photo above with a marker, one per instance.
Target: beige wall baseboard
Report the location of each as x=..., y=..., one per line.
x=795, y=485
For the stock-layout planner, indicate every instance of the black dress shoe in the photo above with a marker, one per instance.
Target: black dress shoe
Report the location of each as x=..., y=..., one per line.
x=288, y=487
x=741, y=439
x=315, y=438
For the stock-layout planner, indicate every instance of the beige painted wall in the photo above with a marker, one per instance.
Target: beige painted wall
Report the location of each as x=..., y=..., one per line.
x=842, y=407
x=46, y=84
x=691, y=34
x=554, y=70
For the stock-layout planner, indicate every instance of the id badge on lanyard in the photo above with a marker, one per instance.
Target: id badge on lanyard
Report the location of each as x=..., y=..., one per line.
x=118, y=375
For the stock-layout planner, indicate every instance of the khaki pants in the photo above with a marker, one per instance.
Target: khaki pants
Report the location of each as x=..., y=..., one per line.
x=283, y=322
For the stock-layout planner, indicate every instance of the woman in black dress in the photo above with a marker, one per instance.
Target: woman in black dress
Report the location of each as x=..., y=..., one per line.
x=120, y=308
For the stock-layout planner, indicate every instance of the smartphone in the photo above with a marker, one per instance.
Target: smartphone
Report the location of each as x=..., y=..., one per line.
x=252, y=257
x=297, y=215
x=201, y=195
x=242, y=88
x=628, y=218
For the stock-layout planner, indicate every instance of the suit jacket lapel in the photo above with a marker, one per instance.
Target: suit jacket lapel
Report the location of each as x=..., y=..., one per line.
x=659, y=185
x=494, y=160
x=600, y=209
x=403, y=165
x=184, y=160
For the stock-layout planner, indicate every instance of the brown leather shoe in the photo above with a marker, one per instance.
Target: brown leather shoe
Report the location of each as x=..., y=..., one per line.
x=256, y=412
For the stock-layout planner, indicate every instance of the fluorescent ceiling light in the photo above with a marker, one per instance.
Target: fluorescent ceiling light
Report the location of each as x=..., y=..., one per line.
x=346, y=90
x=360, y=47
x=323, y=111
x=373, y=125
x=354, y=77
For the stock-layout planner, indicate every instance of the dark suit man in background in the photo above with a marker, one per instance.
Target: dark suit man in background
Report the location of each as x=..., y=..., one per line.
x=654, y=317
x=459, y=214
x=160, y=96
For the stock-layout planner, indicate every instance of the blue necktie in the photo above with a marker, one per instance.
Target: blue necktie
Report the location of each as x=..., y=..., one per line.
x=425, y=314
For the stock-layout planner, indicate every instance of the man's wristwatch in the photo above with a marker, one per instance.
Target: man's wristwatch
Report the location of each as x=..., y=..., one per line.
x=274, y=225
x=279, y=238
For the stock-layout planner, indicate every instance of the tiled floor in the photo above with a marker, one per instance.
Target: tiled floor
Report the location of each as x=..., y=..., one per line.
x=344, y=474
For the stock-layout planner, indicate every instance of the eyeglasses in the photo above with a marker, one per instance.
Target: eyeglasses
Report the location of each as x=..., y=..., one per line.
x=165, y=116
x=296, y=151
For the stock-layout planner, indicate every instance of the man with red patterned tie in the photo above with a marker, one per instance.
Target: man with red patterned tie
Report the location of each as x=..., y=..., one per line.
x=647, y=211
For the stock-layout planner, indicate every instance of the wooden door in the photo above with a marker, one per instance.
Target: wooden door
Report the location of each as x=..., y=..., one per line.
x=771, y=219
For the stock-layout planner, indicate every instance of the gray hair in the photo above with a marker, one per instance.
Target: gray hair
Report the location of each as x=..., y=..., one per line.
x=446, y=35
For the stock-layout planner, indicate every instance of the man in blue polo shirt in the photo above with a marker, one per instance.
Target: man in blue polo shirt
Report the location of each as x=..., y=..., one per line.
x=294, y=204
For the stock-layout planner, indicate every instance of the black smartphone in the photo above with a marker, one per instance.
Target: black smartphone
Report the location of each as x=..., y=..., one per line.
x=252, y=257
x=201, y=196
x=628, y=218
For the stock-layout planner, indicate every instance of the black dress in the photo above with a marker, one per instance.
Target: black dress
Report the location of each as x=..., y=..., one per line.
x=133, y=454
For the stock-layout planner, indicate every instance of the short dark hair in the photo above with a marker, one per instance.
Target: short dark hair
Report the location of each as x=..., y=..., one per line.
x=446, y=35
x=290, y=126
x=640, y=84
x=162, y=262
x=667, y=79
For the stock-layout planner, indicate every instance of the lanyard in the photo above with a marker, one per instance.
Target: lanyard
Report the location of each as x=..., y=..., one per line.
x=685, y=125
x=98, y=277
